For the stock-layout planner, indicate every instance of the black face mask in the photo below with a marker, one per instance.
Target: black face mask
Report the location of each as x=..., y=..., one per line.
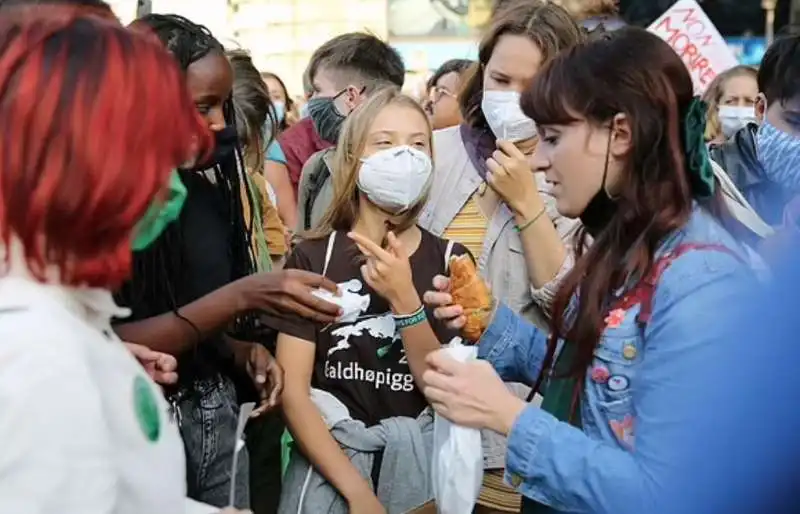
x=601, y=208
x=326, y=117
x=225, y=142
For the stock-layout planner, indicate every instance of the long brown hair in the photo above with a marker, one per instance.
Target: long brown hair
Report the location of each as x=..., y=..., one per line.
x=343, y=211
x=547, y=25
x=594, y=82
x=252, y=107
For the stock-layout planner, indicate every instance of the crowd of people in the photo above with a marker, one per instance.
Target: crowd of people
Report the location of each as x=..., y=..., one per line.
x=182, y=237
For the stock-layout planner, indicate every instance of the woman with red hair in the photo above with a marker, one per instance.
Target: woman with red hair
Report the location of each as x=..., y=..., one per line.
x=93, y=118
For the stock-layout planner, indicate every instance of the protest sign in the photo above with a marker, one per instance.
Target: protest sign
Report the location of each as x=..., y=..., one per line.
x=689, y=31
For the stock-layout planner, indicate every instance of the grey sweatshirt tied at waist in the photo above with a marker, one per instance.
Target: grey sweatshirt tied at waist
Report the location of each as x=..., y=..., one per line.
x=404, y=482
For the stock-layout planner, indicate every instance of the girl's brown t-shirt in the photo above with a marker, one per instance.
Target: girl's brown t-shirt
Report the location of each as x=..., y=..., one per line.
x=363, y=363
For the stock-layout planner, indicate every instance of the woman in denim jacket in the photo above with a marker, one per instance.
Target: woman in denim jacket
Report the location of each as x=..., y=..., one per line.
x=621, y=140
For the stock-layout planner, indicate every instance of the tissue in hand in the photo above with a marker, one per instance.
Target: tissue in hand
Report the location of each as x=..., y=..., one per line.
x=352, y=303
x=457, y=462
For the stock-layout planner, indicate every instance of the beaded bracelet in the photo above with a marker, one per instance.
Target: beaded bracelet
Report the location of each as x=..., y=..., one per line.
x=520, y=228
x=411, y=320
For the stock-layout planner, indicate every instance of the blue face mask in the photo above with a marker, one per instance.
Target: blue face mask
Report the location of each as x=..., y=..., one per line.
x=280, y=110
x=779, y=155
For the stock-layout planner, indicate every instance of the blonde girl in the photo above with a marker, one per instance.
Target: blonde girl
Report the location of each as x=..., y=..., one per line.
x=358, y=377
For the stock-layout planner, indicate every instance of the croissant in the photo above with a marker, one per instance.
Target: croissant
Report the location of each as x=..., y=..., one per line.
x=470, y=291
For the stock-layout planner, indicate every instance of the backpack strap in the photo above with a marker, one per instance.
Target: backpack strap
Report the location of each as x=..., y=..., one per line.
x=447, y=254
x=319, y=176
x=644, y=291
x=328, y=252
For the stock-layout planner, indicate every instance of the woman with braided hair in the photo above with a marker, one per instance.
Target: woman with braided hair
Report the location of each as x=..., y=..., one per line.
x=194, y=291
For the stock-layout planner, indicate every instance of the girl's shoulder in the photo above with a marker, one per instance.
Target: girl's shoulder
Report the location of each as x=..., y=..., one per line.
x=445, y=248
x=309, y=254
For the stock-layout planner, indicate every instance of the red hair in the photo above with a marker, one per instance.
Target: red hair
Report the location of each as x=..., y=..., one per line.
x=93, y=120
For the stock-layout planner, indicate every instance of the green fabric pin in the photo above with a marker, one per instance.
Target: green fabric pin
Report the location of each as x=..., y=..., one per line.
x=146, y=407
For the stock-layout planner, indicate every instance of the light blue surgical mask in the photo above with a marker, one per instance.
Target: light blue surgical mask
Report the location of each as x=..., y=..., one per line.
x=779, y=155
x=304, y=110
x=280, y=110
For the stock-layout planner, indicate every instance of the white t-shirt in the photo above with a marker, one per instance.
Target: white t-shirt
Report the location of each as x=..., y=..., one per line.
x=83, y=428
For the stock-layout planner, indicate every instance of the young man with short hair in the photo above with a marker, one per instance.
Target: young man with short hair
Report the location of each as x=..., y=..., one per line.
x=344, y=72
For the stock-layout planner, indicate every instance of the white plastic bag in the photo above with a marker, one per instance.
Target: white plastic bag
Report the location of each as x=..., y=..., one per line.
x=457, y=471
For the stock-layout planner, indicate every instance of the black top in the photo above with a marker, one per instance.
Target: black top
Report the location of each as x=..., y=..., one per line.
x=191, y=259
x=363, y=363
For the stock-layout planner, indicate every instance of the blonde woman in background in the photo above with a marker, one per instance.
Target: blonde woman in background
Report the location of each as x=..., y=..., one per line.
x=353, y=383
x=731, y=99
x=486, y=196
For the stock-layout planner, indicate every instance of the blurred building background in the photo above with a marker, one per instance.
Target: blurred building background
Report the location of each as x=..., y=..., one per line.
x=282, y=34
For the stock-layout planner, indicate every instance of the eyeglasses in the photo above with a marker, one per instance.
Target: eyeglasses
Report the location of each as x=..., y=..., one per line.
x=438, y=92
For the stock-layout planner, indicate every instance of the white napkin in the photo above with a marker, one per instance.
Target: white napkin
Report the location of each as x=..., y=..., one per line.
x=352, y=303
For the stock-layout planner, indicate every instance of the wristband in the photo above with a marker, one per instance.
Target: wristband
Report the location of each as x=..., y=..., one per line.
x=520, y=228
x=411, y=320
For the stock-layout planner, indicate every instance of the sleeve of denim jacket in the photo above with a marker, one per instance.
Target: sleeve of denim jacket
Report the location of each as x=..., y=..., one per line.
x=559, y=465
x=515, y=347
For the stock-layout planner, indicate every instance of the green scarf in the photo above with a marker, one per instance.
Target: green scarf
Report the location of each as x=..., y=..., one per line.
x=558, y=402
x=263, y=259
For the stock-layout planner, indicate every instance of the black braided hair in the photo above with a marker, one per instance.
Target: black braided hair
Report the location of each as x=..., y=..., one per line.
x=186, y=40
x=158, y=284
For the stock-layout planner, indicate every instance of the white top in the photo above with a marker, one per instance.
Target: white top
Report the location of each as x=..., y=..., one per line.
x=73, y=439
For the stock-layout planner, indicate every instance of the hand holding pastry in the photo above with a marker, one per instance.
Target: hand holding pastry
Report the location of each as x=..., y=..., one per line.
x=442, y=303
x=462, y=301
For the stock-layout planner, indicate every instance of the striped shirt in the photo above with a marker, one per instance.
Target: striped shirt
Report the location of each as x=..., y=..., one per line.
x=469, y=227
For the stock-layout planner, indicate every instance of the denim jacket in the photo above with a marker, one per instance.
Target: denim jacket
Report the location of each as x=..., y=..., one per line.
x=633, y=409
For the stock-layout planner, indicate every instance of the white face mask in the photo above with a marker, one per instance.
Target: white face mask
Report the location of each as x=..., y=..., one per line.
x=395, y=179
x=505, y=117
x=733, y=118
